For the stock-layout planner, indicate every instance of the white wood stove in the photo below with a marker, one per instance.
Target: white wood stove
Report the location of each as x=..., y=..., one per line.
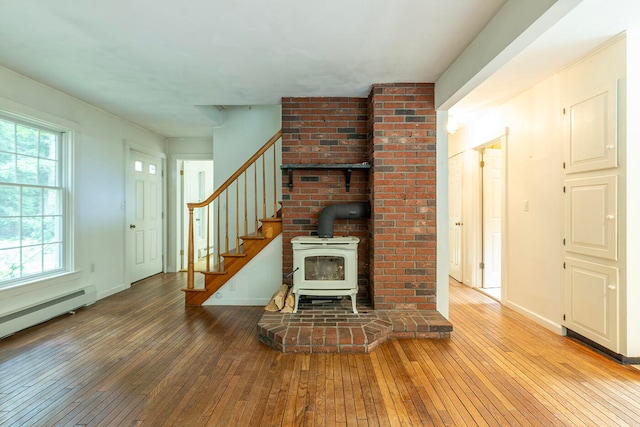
x=325, y=267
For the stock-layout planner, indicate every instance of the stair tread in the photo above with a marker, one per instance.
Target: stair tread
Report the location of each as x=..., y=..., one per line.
x=233, y=255
x=252, y=237
x=213, y=273
x=271, y=220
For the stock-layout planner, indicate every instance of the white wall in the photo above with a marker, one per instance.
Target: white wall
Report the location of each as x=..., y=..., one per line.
x=256, y=282
x=535, y=277
x=98, y=186
x=244, y=131
x=534, y=173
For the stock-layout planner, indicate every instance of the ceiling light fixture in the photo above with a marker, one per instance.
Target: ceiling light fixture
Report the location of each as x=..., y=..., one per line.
x=452, y=125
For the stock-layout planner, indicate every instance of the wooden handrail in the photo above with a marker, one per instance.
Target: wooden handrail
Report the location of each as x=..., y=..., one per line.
x=232, y=183
x=239, y=172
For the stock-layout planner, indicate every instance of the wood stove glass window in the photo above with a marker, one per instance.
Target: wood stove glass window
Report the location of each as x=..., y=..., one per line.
x=324, y=267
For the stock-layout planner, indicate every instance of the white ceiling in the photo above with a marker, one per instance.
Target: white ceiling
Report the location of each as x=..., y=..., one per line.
x=584, y=29
x=153, y=61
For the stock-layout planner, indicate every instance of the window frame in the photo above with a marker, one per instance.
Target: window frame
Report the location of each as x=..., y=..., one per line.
x=47, y=123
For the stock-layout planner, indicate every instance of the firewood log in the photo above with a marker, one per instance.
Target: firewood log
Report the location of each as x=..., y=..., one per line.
x=279, y=296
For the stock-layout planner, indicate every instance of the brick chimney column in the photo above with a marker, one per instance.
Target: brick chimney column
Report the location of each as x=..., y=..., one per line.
x=402, y=183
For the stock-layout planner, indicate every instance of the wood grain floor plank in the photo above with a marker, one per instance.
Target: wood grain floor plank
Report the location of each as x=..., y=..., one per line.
x=301, y=400
x=376, y=411
x=261, y=391
x=340, y=399
x=429, y=404
x=329, y=392
x=401, y=369
x=320, y=390
x=391, y=398
x=355, y=388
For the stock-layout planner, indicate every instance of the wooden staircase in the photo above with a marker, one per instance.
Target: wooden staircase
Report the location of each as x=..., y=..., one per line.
x=232, y=262
x=249, y=197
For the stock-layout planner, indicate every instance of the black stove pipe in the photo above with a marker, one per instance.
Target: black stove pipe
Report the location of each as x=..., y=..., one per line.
x=340, y=211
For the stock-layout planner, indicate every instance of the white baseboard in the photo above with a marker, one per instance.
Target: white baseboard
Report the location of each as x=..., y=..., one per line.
x=121, y=287
x=542, y=321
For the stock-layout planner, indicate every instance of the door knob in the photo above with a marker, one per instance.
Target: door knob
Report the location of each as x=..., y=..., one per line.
x=132, y=226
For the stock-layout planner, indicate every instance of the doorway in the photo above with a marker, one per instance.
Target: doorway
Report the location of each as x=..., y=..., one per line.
x=477, y=217
x=195, y=185
x=455, y=217
x=492, y=220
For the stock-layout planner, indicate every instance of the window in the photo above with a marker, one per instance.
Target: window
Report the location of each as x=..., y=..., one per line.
x=32, y=207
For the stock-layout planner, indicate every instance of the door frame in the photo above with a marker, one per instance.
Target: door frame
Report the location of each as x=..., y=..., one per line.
x=174, y=206
x=477, y=213
x=456, y=234
x=128, y=147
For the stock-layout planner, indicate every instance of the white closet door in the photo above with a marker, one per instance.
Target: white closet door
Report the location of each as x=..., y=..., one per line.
x=592, y=294
x=592, y=132
x=591, y=216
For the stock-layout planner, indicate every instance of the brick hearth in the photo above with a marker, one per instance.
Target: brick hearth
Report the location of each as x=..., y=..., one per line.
x=333, y=328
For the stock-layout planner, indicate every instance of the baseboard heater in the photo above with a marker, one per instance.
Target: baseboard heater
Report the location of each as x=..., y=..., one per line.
x=46, y=310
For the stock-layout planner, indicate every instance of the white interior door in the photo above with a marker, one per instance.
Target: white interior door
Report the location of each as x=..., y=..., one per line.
x=455, y=217
x=492, y=217
x=144, y=214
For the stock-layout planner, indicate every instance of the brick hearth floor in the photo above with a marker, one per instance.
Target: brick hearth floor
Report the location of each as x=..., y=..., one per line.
x=332, y=327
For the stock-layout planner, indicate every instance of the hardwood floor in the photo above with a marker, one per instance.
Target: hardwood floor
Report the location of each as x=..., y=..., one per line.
x=141, y=357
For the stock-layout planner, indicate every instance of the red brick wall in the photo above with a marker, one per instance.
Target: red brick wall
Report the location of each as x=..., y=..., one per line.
x=394, y=130
x=322, y=131
x=402, y=127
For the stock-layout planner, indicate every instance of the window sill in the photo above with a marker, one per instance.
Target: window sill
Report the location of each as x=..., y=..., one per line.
x=24, y=287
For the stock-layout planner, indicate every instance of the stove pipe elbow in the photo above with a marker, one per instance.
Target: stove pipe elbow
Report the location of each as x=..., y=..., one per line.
x=340, y=211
